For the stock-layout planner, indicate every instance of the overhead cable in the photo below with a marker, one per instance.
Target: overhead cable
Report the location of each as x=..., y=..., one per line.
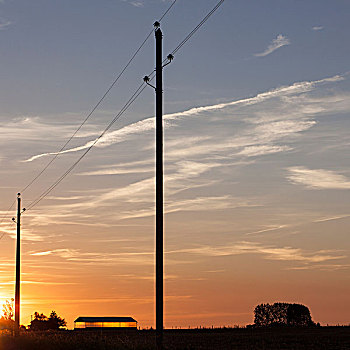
x=5, y=216
x=134, y=96
x=98, y=103
x=188, y=37
x=89, y=114
x=132, y=99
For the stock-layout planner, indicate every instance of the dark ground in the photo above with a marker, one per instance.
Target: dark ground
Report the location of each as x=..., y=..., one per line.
x=320, y=338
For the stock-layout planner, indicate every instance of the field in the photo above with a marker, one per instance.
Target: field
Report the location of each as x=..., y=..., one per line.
x=321, y=338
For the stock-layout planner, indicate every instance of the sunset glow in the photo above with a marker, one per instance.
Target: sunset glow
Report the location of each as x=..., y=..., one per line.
x=256, y=160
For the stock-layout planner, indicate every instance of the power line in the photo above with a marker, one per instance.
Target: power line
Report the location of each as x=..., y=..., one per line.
x=98, y=103
x=5, y=216
x=166, y=12
x=132, y=99
x=134, y=96
x=188, y=37
x=89, y=114
x=7, y=211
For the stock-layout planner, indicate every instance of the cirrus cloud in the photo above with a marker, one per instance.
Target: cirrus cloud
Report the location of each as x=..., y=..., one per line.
x=318, y=178
x=280, y=41
x=147, y=124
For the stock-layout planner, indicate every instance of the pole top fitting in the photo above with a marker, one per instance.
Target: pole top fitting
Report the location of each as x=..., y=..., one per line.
x=170, y=57
x=18, y=194
x=156, y=25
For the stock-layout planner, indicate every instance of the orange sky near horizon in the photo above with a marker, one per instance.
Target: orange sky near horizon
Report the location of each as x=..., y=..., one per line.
x=200, y=290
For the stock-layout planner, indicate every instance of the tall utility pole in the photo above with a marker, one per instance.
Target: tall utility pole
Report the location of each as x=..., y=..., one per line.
x=159, y=189
x=159, y=183
x=18, y=265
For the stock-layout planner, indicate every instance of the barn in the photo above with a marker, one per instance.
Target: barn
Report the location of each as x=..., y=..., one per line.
x=104, y=323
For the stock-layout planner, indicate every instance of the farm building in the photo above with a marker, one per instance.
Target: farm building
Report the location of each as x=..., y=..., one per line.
x=107, y=323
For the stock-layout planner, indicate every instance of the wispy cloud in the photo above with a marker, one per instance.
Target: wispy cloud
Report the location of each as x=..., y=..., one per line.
x=318, y=178
x=33, y=128
x=76, y=255
x=64, y=253
x=38, y=282
x=147, y=124
x=4, y=23
x=254, y=151
x=316, y=28
x=333, y=218
x=183, y=175
x=270, y=252
x=137, y=167
x=9, y=229
x=322, y=267
x=137, y=3
x=269, y=123
x=207, y=203
x=267, y=229
x=121, y=298
x=280, y=41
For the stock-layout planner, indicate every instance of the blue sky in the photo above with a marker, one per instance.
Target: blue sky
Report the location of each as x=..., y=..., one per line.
x=57, y=49
x=256, y=157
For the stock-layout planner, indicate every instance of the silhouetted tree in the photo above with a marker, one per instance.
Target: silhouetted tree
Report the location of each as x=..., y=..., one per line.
x=7, y=310
x=299, y=315
x=6, y=321
x=43, y=323
x=55, y=322
x=39, y=322
x=282, y=314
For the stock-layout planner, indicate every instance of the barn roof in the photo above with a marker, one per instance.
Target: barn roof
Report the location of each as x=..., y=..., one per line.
x=105, y=319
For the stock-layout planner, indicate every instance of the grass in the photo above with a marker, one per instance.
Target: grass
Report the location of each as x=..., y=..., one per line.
x=322, y=338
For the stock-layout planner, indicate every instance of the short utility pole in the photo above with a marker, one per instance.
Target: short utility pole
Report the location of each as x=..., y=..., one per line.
x=18, y=264
x=159, y=185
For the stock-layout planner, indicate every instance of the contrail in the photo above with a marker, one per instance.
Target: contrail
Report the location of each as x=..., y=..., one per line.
x=148, y=123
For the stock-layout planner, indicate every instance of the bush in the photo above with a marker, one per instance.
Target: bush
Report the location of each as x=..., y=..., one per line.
x=282, y=314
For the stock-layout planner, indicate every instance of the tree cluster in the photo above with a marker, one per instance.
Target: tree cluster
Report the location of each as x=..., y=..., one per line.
x=282, y=314
x=44, y=323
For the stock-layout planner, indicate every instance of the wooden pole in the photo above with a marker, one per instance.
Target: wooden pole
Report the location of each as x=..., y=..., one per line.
x=18, y=266
x=159, y=190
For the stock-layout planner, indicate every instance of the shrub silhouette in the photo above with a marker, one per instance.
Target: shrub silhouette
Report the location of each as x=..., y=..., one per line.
x=282, y=314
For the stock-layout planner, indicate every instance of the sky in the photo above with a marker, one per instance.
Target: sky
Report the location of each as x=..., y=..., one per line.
x=257, y=170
